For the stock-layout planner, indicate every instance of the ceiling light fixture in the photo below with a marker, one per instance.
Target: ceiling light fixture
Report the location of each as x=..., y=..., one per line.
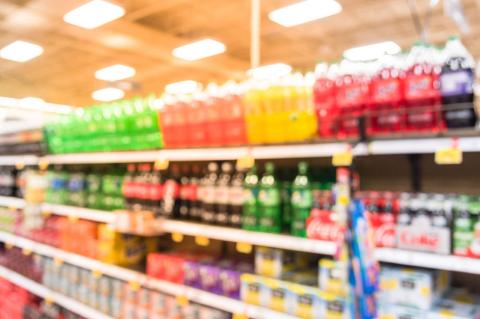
x=199, y=50
x=108, y=94
x=20, y=51
x=270, y=71
x=115, y=72
x=183, y=87
x=305, y=11
x=93, y=14
x=34, y=104
x=371, y=51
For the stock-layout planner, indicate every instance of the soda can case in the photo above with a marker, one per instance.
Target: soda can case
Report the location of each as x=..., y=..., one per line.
x=453, y=310
x=400, y=312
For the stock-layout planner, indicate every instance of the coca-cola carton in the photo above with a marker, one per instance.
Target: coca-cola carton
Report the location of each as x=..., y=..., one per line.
x=322, y=223
x=424, y=223
x=381, y=210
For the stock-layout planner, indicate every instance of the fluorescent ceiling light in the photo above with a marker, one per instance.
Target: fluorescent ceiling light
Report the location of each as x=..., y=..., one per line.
x=115, y=73
x=372, y=51
x=270, y=71
x=199, y=50
x=34, y=104
x=182, y=87
x=108, y=94
x=305, y=11
x=20, y=51
x=93, y=14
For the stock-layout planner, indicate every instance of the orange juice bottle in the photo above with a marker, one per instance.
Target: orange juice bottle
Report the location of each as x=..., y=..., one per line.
x=274, y=112
x=254, y=119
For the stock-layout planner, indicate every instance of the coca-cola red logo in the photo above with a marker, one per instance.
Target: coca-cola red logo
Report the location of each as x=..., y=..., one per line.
x=318, y=229
x=385, y=235
x=420, y=240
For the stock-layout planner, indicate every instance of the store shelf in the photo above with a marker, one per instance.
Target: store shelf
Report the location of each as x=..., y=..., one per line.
x=309, y=150
x=249, y=237
x=12, y=202
x=18, y=160
x=194, y=295
x=42, y=291
x=96, y=215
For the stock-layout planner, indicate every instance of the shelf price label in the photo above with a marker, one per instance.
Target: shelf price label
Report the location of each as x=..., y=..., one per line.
x=58, y=261
x=182, y=300
x=177, y=237
x=134, y=285
x=161, y=163
x=8, y=245
x=20, y=165
x=202, y=241
x=73, y=218
x=27, y=251
x=246, y=162
x=239, y=316
x=96, y=273
x=344, y=158
x=43, y=164
x=244, y=248
x=46, y=213
x=48, y=300
x=449, y=156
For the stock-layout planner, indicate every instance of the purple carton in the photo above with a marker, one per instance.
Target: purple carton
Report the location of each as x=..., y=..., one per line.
x=230, y=282
x=192, y=274
x=210, y=278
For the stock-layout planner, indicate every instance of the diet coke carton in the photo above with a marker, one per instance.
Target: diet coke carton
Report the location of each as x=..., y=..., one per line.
x=424, y=223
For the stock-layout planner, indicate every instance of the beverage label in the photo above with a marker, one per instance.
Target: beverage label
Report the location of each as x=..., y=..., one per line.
x=222, y=195
x=236, y=195
x=269, y=197
x=353, y=94
x=419, y=87
x=386, y=91
x=457, y=83
x=424, y=238
x=322, y=225
x=171, y=189
x=155, y=191
x=209, y=193
x=302, y=199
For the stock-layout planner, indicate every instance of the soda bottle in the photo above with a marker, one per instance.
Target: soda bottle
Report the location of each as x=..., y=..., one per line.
x=405, y=213
x=142, y=185
x=324, y=99
x=223, y=194
x=170, y=206
x=209, y=191
x=456, y=83
x=193, y=196
x=251, y=207
x=197, y=120
x=155, y=190
x=255, y=116
x=184, y=194
x=352, y=88
x=302, y=200
x=234, y=115
x=213, y=105
x=386, y=97
x=236, y=199
x=463, y=227
x=129, y=188
x=270, y=216
x=422, y=90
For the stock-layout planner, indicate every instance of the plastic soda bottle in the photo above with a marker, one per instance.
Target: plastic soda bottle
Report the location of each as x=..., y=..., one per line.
x=456, y=82
x=270, y=217
x=250, y=200
x=301, y=200
x=324, y=99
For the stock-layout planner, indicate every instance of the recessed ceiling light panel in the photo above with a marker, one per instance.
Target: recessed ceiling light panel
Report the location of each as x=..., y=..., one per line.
x=199, y=50
x=94, y=14
x=108, y=94
x=305, y=11
x=20, y=51
x=115, y=72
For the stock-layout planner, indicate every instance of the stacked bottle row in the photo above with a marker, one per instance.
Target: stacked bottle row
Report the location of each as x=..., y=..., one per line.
x=18, y=303
x=126, y=125
x=395, y=94
x=398, y=94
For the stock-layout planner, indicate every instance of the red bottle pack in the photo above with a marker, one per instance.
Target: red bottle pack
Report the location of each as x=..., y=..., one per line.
x=233, y=115
x=422, y=91
x=386, y=113
x=324, y=99
x=381, y=210
x=352, y=96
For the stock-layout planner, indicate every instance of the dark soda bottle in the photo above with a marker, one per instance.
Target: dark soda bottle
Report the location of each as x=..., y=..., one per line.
x=195, y=210
x=184, y=194
x=142, y=184
x=456, y=83
x=155, y=190
x=129, y=187
x=209, y=191
x=223, y=194
x=170, y=207
x=236, y=199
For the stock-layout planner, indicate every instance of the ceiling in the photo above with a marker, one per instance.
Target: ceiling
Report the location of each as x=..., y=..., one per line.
x=146, y=35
